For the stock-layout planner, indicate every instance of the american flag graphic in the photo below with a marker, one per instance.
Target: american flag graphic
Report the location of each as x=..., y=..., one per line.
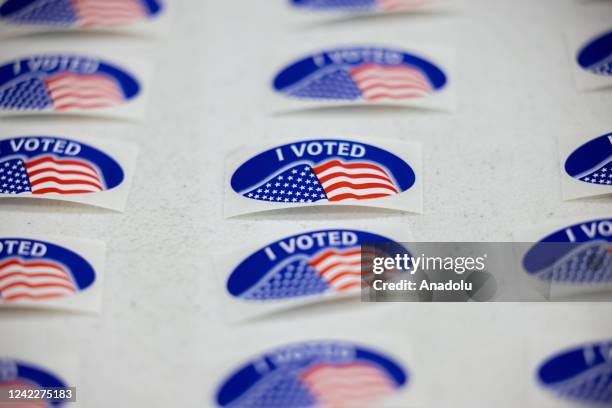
x=333, y=181
x=593, y=385
x=344, y=385
x=331, y=269
x=85, y=13
x=64, y=91
x=588, y=263
x=390, y=82
x=33, y=280
x=603, y=67
x=96, y=13
x=46, y=174
x=370, y=82
x=601, y=174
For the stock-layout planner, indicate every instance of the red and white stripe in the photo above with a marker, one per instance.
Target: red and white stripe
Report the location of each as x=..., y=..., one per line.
x=108, y=13
x=397, y=5
x=341, y=269
x=379, y=82
x=345, y=385
x=358, y=181
x=33, y=280
x=83, y=91
x=65, y=176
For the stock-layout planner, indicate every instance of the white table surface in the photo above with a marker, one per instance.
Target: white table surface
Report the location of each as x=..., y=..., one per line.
x=162, y=340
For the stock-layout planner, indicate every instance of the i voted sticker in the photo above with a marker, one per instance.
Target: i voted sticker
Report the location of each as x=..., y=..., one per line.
x=361, y=75
x=582, y=374
x=583, y=255
x=18, y=375
x=36, y=272
x=298, y=270
x=65, y=83
x=596, y=55
x=591, y=57
x=325, y=172
x=66, y=169
x=592, y=162
x=370, y=6
x=313, y=374
x=585, y=165
x=79, y=13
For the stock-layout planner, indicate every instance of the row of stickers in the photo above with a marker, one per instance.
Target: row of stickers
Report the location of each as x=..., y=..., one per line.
x=283, y=273
x=305, y=374
x=41, y=81
x=317, y=172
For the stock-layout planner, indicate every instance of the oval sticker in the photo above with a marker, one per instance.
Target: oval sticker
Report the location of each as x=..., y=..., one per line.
x=596, y=55
x=358, y=5
x=41, y=165
x=365, y=74
x=32, y=270
x=576, y=254
x=326, y=170
x=19, y=375
x=62, y=82
x=583, y=373
x=78, y=13
x=308, y=264
x=592, y=162
x=305, y=375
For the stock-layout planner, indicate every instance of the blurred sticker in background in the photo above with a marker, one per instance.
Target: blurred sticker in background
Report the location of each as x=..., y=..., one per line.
x=363, y=75
x=65, y=169
x=324, y=172
x=63, y=273
x=583, y=258
x=17, y=376
x=22, y=16
x=360, y=6
x=591, y=57
x=312, y=374
x=596, y=55
x=582, y=374
x=54, y=83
